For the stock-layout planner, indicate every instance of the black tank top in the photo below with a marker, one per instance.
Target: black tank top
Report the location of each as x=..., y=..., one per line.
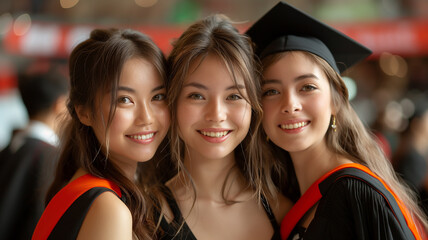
x=68, y=226
x=178, y=223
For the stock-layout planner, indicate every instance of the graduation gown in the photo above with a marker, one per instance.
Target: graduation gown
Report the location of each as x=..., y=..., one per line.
x=353, y=203
x=25, y=176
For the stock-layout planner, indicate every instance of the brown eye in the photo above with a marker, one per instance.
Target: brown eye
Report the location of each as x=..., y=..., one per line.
x=270, y=92
x=124, y=100
x=234, y=97
x=308, y=88
x=196, y=96
x=159, y=97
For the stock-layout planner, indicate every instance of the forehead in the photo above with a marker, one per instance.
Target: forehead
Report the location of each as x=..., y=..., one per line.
x=138, y=68
x=213, y=69
x=291, y=64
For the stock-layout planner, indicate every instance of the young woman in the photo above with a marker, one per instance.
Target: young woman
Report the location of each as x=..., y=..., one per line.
x=118, y=119
x=347, y=187
x=222, y=188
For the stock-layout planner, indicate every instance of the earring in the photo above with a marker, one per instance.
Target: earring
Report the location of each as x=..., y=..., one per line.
x=333, y=124
x=267, y=139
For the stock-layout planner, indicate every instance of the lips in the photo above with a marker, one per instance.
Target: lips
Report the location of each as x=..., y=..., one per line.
x=142, y=137
x=216, y=134
x=295, y=125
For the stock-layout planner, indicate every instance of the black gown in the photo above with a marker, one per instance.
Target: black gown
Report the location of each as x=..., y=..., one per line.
x=25, y=176
x=354, y=208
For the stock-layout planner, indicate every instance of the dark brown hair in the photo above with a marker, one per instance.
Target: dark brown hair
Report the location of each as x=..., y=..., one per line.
x=95, y=66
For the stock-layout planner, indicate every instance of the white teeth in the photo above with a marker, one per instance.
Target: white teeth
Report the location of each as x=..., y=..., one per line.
x=142, y=137
x=294, y=125
x=214, y=134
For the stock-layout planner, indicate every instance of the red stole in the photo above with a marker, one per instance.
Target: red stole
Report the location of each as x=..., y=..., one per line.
x=63, y=200
x=313, y=195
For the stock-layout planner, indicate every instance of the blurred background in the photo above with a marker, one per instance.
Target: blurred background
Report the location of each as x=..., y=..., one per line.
x=384, y=90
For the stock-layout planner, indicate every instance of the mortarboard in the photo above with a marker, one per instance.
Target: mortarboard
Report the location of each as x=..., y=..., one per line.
x=287, y=28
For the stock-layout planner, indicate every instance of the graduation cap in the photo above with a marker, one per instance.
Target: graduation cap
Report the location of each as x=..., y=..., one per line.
x=285, y=28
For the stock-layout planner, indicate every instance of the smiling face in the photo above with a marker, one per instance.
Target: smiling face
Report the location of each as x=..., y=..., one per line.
x=212, y=115
x=296, y=102
x=141, y=119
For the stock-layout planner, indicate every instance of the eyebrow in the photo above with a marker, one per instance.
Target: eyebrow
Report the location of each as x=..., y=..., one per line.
x=201, y=86
x=304, y=76
x=128, y=89
x=301, y=77
x=196, y=85
x=238, y=86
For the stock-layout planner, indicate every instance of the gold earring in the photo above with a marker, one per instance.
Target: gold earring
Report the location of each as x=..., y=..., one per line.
x=333, y=124
x=267, y=138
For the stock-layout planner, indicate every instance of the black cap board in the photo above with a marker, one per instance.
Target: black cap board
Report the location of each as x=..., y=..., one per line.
x=285, y=28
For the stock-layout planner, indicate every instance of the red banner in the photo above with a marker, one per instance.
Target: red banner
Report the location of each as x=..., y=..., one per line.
x=401, y=37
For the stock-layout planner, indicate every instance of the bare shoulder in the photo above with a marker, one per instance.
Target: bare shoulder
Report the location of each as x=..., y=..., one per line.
x=284, y=205
x=107, y=218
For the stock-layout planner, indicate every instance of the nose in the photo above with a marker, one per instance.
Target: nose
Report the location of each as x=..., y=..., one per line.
x=216, y=111
x=290, y=103
x=145, y=114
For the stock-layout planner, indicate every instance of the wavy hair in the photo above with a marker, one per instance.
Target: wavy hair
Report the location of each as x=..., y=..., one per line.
x=95, y=66
x=217, y=36
x=351, y=140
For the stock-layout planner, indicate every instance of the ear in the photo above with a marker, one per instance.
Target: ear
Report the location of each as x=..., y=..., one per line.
x=83, y=115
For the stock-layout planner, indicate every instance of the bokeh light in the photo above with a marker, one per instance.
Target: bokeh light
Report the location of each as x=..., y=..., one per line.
x=22, y=24
x=68, y=3
x=393, y=65
x=352, y=87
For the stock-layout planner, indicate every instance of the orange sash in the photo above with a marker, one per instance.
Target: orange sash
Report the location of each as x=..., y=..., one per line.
x=313, y=195
x=63, y=200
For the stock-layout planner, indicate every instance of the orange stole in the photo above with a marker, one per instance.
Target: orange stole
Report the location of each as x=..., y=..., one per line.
x=63, y=200
x=313, y=195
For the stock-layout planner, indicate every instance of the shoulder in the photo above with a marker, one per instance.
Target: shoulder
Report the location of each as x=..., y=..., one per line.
x=359, y=199
x=107, y=218
x=355, y=189
x=352, y=203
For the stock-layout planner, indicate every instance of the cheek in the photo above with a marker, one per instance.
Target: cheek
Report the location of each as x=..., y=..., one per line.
x=185, y=114
x=244, y=114
x=269, y=109
x=321, y=109
x=163, y=116
x=121, y=120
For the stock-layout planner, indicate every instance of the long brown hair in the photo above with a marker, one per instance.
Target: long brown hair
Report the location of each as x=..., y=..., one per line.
x=351, y=139
x=95, y=66
x=216, y=35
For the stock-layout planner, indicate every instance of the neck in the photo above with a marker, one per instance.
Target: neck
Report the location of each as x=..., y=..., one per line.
x=312, y=164
x=48, y=119
x=210, y=175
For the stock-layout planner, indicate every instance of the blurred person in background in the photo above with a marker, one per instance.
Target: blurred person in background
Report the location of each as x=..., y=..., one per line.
x=27, y=163
x=411, y=157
